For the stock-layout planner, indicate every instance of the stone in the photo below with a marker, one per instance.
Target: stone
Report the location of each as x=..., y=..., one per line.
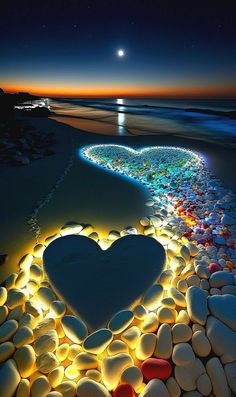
x=124, y=390
x=56, y=376
x=46, y=362
x=220, y=279
x=228, y=220
x=84, y=361
x=46, y=343
x=140, y=312
x=181, y=333
x=98, y=341
x=200, y=344
x=222, y=340
x=184, y=377
x=155, y=388
x=40, y=387
x=218, y=378
x=74, y=350
x=230, y=371
x=67, y=388
x=22, y=278
x=113, y=367
x=3, y=313
x=117, y=346
x=145, y=346
x=183, y=317
x=204, y=385
x=150, y=323
x=93, y=374
x=87, y=387
x=6, y=351
x=25, y=360
x=156, y=368
x=120, y=321
x=173, y=387
x=7, y=330
x=15, y=298
x=3, y=296
x=133, y=376
x=23, y=389
x=164, y=342
x=46, y=296
x=74, y=328
x=223, y=307
x=131, y=336
x=36, y=272
x=178, y=297
x=229, y=289
x=54, y=394
x=24, y=336
x=57, y=309
x=196, y=299
x=166, y=315
x=183, y=354
x=44, y=326
x=166, y=277
x=153, y=296
x=9, y=378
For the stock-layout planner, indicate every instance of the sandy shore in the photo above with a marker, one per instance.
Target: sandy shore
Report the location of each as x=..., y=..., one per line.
x=87, y=194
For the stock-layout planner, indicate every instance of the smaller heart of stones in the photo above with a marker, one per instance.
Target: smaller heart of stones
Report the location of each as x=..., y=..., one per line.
x=95, y=284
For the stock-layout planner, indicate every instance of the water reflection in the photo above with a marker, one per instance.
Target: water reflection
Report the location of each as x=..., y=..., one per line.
x=121, y=116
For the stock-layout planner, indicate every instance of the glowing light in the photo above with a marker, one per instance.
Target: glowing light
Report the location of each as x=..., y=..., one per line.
x=121, y=53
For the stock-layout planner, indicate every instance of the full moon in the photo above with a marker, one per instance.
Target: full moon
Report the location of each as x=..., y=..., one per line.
x=120, y=53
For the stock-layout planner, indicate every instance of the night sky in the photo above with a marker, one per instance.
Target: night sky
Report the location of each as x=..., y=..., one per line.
x=173, y=48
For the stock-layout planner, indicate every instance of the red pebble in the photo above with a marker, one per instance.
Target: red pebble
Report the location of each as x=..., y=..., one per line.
x=124, y=390
x=214, y=267
x=156, y=368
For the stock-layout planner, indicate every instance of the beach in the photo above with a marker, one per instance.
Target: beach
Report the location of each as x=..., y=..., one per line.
x=102, y=203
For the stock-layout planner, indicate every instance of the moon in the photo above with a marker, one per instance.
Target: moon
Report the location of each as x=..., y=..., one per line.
x=121, y=53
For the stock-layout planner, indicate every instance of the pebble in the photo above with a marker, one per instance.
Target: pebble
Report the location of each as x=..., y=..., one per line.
x=67, y=388
x=15, y=298
x=40, y=387
x=22, y=278
x=84, y=361
x=218, y=378
x=204, y=385
x=23, y=336
x=93, y=374
x=155, y=388
x=124, y=390
x=74, y=350
x=166, y=277
x=222, y=340
x=220, y=279
x=164, y=342
x=74, y=328
x=120, y=321
x=89, y=388
x=46, y=343
x=98, y=341
x=200, y=344
x=46, y=296
x=184, y=378
x=117, y=346
x=173, y=387
x=131, y=336
x=178, y=297
x=140, y=312
x=153, y=296
x=150, y=323
x=183, y=354
x=230, y=371
x=183, y=317
x=133, y=376
x=7, y=330
x=181, y=333
x=9, y=378
x=44, y=326
x=3, y=296
x=156, y=368
x=229, y=289
x=168, y=302
x=113, y=367
x=46, y=362
x=57, y=309
x=224, y=308
x=23, y=389
x=166, y=315
x=6, y=351
x=196, y=300
x=25, y=360
x=56, y=376
x=3, y=313
x=145, y=346
x=36, y=273
x=54, y=394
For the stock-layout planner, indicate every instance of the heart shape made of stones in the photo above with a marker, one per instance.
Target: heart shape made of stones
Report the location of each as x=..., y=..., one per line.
x=95, y=284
